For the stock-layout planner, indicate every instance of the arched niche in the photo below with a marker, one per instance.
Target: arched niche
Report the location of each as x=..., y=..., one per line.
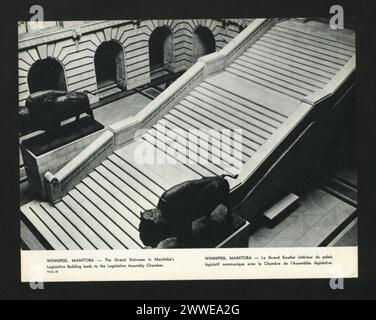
x=109, y=62
x=203, y=42
x=46, y=74
x=161, y=53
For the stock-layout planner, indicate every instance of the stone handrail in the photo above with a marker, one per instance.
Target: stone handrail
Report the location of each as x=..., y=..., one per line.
x=123, y=132
x=57, y=185
x=127, y=129
x=305, y=108
x=246, y=38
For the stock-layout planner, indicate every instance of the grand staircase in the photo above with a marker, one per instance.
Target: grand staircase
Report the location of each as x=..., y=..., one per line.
x=256, y=93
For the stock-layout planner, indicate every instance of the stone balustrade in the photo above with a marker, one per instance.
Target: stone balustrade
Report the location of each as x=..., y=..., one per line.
x=125, y=131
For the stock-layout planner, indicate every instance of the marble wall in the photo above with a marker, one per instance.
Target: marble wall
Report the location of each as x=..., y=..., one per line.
x=73, y=46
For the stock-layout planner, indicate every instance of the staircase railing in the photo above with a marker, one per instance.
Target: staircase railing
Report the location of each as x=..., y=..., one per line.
x=125, y=131
x=59, y=184
x=309, y=111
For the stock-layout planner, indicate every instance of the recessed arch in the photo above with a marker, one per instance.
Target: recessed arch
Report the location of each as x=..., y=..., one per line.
x=46, y=74
x=161, y=51
x=109, y=62
x=203, y=42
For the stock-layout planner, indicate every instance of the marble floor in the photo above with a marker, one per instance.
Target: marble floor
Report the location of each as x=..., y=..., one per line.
x=318, y=217
x=121, y=109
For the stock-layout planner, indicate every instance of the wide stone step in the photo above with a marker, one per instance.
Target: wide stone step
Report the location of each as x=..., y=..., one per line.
x=45, y=230
x=82, y=235
x=314, y=51
x=180, y=155
x=263, y=128
x=121, y=192
x=200, y=123
x=288, y=67
x=289, y=50
x=319, y=32
x=215, y=147
x=314, y=42
x=118, y=213
x=167, y=167
x=278, y=103
x=300, y=61
x=254, y=140
x=282, y=74
x=271, y=85
x=274, y=78
x=260, y=108
x=216, y=124
x=142, y=193
x=94, y=241
x=232, y=117
x=257, y=118
x=93, y=218
x=139, y=172
x=205, y=156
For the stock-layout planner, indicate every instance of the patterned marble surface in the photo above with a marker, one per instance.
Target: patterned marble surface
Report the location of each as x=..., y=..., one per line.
x=318, y=215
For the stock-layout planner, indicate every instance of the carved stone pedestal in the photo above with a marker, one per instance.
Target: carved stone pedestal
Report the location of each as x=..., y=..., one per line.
x=41, y=153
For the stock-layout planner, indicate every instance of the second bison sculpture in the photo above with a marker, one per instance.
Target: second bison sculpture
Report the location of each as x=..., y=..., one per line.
x=170, y=224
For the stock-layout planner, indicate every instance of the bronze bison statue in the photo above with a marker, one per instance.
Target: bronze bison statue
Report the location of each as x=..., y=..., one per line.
x=179, y=207
x=48, y=108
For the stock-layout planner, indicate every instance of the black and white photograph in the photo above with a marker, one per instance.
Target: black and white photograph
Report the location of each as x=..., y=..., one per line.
x=194, y=133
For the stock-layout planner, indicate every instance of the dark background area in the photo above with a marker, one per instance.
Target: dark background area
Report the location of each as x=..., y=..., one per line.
x=363, y=287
